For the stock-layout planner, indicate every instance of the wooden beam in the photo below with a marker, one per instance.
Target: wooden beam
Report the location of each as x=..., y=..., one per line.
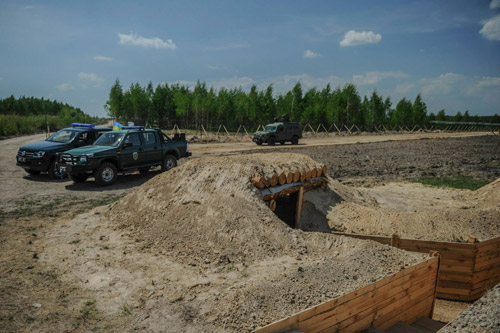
x=299, y=206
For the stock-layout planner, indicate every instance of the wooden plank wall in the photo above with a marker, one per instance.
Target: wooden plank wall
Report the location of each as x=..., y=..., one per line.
x=467, y=270
x=486, y=267
x=404, y=296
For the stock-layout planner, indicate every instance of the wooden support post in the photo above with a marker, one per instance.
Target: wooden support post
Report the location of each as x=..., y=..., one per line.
x=324, y=127
x=317, y=129
x=217, y=134
x=336, y=128
x=246, y=131
x=435, y=254
x=395, y=240
x=238, y=131
x=203, y=128
x=299, y=206
x=226, y=130
x=359, y=131
x=272, y=205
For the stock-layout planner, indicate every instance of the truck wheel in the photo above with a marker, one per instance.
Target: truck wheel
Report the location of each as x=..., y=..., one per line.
x=295, y=140
x=259, y=143
x=54, y=172
x=282, y=142
x=271, y=141
x=32, y=172
x=106, y=174
x=78, y=177
x=169, y=162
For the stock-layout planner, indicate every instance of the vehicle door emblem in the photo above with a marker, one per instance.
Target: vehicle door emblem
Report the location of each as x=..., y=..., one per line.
x=135, y=155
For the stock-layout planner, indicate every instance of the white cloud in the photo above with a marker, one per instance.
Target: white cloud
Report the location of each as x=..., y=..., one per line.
x=489, y=82
x=484, y=83
x=491, y=28
x=495, y=4
x=28, y=7
x=441, y=85
x=371, y=78
x=65, y=87
x=404, y=88
x=103, y=58
x=310, y=54
x=136, y=40
x=92, y=77
x=353, y=38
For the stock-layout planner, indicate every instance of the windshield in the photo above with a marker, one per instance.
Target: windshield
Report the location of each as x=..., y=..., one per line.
x=270, y=128
x=64, y=135
x=110, y=139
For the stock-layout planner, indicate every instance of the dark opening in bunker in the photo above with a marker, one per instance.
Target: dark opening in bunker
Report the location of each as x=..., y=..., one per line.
x=286, y=208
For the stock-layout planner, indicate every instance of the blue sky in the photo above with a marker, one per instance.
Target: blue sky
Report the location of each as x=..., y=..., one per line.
x=72, y=51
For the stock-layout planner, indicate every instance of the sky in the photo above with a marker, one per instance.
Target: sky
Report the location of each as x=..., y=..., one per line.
x=73, y=51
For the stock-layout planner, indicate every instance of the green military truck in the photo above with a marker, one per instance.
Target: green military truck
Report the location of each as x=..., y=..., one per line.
x=133, y=148
x=279, y=132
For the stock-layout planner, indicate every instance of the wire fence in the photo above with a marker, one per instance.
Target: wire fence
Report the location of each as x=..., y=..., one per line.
x=343, y=129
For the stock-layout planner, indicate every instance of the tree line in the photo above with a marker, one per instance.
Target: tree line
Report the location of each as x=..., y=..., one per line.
x=26, y=115
x=169, y=105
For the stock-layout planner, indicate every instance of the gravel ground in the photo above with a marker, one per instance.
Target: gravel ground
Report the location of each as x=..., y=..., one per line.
x=482, y=316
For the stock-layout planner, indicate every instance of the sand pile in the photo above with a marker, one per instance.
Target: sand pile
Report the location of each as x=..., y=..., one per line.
x=208, y=210
x=206, y=216
x=417, y=211
x=488, y=196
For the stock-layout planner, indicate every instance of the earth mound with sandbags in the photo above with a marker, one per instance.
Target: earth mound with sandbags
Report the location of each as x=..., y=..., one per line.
x=208, y=216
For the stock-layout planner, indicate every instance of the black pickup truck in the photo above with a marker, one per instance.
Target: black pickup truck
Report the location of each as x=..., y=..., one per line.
x=41, y=156
x=123, y=151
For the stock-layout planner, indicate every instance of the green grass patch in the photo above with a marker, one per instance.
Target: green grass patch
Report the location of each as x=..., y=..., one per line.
x=460, y=182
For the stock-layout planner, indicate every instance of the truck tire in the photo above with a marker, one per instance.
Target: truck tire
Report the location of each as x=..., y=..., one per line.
x=295, y=140
x=32, y=172
x=78, y=177
x=271, y=141
x=169, y=162
x=259, y=143
x=106, y=174
x=54, y=173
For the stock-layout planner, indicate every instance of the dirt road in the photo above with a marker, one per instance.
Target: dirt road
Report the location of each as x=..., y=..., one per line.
x=220, y=148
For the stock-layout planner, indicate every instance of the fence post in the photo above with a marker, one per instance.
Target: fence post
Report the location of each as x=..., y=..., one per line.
x=395, y=240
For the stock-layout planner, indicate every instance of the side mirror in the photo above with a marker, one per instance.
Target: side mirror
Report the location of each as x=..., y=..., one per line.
x=127, y=144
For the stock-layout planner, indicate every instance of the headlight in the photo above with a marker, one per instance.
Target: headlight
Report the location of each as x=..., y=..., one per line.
x=39, y=154
x=83, y=159
x=90, y=155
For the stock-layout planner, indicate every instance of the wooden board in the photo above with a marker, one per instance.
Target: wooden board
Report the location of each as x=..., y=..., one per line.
x=408, y=294
x=463, y=266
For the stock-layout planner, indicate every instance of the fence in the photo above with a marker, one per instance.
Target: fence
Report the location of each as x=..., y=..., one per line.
x=467, y=270
x=343, y=129
x=405, y=296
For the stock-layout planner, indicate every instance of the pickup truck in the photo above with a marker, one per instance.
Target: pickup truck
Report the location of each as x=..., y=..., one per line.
x=127, y=150
x=41, y=156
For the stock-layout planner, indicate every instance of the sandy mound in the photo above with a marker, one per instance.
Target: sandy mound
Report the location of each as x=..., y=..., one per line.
x=416, y=211
x=208, y=209
x=251, y=268
x=488, y=196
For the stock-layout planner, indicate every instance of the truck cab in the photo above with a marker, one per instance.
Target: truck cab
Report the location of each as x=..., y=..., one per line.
x=133, y=148
x=40, y=156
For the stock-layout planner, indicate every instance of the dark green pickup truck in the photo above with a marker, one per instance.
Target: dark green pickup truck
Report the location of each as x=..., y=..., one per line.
x=123, y=151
